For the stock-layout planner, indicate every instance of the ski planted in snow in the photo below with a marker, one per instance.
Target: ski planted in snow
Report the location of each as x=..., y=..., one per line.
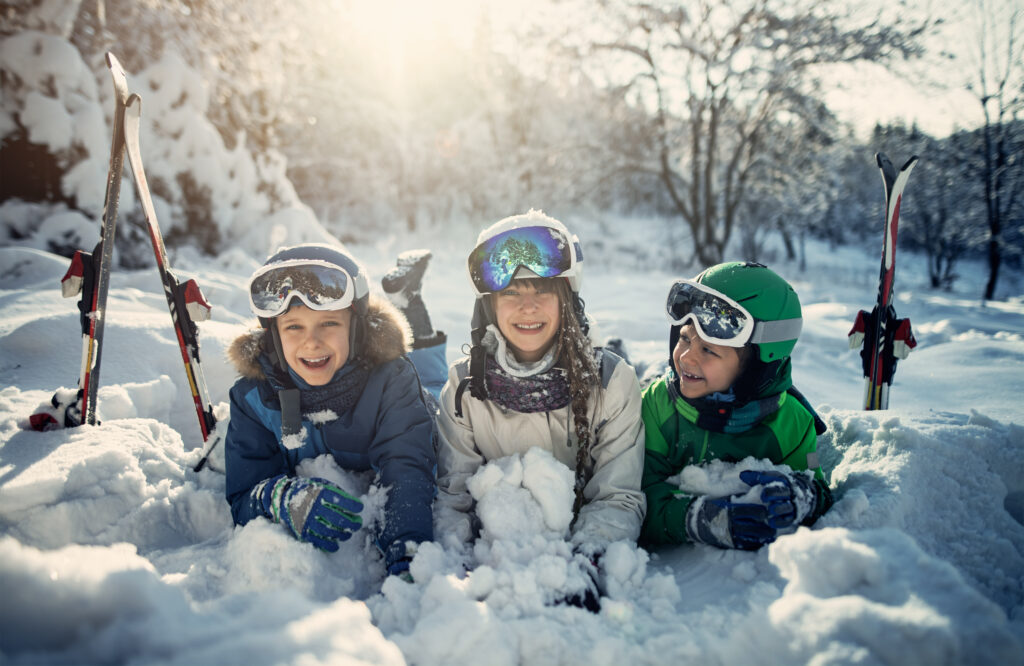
x=882, y=336
x=184, y=300
x=89, y=278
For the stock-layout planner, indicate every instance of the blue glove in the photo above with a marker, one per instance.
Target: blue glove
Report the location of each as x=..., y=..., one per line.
x=722, y=523
x=315, y=510
x=788, y=497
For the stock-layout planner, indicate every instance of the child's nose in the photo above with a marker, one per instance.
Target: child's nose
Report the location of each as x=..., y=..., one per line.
x=529, y=302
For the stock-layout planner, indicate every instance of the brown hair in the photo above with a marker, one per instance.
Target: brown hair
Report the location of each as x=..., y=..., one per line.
x=576, y=357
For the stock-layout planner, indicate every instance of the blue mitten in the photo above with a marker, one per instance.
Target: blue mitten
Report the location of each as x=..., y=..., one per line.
x=315, y=510
x=788, y=497
x=722, y=523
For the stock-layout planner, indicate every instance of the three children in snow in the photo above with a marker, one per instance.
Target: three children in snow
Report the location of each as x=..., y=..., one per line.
x=335, y=369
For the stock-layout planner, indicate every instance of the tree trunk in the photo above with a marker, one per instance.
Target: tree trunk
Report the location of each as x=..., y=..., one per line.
x=994, y=260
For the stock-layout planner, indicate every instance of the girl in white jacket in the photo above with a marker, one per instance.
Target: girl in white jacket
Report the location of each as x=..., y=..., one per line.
x=534, y=380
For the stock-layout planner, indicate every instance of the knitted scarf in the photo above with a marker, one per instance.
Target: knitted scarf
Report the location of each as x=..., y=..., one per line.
x=719, y=412
x=540, y=392
x=338, y=395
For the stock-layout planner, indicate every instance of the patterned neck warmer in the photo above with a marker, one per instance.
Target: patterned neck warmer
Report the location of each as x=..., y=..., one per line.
x=523, y=387
x=338, y=395
x=541, y=392
x=719, y=412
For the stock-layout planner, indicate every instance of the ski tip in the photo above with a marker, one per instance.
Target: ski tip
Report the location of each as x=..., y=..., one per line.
x=882, y=160
x=120, y=79
x=910, y=163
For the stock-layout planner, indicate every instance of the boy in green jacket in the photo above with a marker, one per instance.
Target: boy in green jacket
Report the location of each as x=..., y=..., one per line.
x=728, y=396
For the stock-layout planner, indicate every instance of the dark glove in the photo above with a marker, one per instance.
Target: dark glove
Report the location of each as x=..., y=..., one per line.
x=722, y=523
x=788, y=497
x=402, y=285
x=400, y=568
x=589, y=598
x=315, y=510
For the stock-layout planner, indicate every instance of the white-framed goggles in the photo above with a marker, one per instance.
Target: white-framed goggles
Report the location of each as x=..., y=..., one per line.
x=722, y=321
x=320, y=285
x=542, y=250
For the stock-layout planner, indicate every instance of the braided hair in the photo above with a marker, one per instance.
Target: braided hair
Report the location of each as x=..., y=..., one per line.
x=576, y=357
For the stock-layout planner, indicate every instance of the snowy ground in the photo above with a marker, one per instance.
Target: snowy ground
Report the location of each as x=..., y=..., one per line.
x=113, y=550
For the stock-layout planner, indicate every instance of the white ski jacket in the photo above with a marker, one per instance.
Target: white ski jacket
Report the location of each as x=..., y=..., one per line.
x=614, y=501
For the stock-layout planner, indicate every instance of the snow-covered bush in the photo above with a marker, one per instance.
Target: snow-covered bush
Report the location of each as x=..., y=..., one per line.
x=55, y=127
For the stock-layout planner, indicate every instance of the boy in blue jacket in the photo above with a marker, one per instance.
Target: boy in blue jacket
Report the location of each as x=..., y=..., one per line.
x=330, y=372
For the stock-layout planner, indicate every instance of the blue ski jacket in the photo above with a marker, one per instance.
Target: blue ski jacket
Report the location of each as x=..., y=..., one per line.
x=387, y=429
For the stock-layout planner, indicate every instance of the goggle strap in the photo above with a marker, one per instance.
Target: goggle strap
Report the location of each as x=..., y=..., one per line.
x=781, y=330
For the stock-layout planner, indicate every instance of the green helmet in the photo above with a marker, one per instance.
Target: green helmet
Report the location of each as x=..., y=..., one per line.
x=765, y=295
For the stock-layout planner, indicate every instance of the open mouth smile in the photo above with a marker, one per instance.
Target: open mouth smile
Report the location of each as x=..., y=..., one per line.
x=315, y=363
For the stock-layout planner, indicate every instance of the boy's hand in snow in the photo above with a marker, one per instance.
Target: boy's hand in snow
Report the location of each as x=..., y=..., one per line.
x=723, y=523
x=788, y=497
x=315, y=510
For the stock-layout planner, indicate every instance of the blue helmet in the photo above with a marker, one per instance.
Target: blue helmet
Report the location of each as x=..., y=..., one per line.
x=322, y=277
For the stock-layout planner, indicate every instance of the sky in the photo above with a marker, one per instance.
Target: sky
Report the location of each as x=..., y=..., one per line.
x=930, y=92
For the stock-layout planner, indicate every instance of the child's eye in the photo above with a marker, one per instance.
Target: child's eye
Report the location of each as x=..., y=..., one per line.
x=709, y=351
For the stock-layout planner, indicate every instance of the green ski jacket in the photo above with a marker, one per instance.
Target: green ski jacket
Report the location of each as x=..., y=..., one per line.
x=673, y=441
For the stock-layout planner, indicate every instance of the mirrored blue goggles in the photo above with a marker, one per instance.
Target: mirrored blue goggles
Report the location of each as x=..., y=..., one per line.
x=718, y=319
x=543, y=250
x=319, y=285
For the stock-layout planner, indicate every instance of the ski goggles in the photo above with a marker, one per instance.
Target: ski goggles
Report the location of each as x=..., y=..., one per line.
x=544, y=251
x=318, y=284
x=722, y=321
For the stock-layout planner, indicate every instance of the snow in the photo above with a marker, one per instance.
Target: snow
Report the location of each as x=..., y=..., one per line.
x=112, y=549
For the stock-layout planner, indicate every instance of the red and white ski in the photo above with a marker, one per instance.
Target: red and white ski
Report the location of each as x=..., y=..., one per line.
x=184, y=300
x=88, y=277
x=883, y=337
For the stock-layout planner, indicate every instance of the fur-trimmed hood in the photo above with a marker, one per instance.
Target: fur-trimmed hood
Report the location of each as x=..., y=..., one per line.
x=388, y=336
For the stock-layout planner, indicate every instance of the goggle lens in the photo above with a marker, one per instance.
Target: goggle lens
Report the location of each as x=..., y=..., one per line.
x=319, y=286
x=718, y=319
x=543, y=250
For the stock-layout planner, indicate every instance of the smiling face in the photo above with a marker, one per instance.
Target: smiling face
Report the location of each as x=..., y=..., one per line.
x=315, y=342
x=528, y=315
x=703, y=368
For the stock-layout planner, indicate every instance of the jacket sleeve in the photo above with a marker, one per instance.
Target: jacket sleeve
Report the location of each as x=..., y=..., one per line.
x=402, y=454
x=457, y=456
x=615, y=502
x=251, y=454
x=666, y=503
